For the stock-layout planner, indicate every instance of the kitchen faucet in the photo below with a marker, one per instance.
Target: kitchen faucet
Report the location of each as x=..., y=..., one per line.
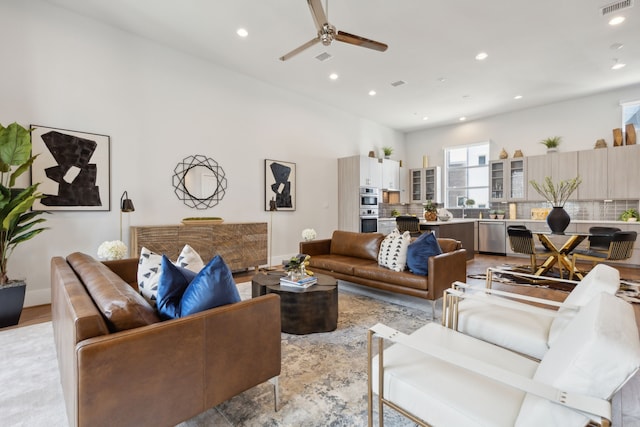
x=462, y=201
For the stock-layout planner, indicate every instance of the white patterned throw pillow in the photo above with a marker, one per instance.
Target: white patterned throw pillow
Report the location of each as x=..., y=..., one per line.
x=393, y=250
x=385, y=248
x=397, y=260
x=149, y=269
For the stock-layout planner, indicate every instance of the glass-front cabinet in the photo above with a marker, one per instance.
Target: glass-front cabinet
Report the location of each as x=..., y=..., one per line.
x=426, y=185
x=497, y=181
x=517, y=183
x=508, y=179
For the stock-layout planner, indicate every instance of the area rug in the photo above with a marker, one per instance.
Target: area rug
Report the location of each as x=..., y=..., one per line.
x=323, y=380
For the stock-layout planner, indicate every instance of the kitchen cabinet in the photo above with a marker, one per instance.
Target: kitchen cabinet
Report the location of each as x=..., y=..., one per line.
x=623, y=172
x=390, y=174
x=592, y=168
x=404, y=185
x=459, y=230
x=508, y=179
x=426, y=185
x=370, y=172
x=559, y=166
x=353, y=173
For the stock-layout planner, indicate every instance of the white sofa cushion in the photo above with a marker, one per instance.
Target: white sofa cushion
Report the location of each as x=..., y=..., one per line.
x=512, y=328
x=601, y=278
x=595, y=355
x=431, y=388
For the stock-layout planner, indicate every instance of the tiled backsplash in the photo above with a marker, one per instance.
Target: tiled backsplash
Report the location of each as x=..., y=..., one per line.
x=591, y=210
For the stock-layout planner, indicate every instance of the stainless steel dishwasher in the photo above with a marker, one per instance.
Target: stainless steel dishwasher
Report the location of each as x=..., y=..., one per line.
x=492, y=237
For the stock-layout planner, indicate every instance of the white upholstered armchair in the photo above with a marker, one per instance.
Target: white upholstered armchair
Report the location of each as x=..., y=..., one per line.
x=511, y=321
x=440, y=377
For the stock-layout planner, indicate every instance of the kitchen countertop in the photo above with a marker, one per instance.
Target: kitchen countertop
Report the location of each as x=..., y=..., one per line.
x=461, y=220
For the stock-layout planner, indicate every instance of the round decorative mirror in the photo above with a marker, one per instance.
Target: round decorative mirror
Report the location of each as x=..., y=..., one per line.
x=199, y=182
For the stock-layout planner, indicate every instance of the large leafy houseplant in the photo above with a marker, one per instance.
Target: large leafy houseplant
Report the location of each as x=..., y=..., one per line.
x=17, y=221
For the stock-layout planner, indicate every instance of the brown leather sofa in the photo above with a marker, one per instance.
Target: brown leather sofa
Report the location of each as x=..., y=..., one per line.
x=126, y=368
x=353, y=257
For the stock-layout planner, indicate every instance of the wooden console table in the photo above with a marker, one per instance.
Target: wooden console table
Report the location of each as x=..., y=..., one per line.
x=241, y=245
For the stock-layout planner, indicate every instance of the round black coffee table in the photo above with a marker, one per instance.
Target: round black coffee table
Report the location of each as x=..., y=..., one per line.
x=302, y=311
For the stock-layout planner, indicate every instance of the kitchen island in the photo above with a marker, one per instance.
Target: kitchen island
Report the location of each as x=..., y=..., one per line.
x=462, y=229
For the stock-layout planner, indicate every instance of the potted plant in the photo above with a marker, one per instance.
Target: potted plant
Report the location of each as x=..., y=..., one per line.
x=493, y=214
x=388, y=151
x=500, y=214
x=557, y=194
x=551, y=143
x=470, y=202
x=430, y=211
x=630, y=215
x=17, y=221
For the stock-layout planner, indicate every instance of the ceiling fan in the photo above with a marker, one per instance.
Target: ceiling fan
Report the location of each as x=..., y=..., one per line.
x=327, y=33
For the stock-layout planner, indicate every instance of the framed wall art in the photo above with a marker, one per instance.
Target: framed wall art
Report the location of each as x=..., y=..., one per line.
x=280, y=185
x=73, y=169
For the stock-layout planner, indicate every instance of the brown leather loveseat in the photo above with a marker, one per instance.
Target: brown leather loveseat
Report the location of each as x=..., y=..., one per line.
x=353, y=257
x=121, y=366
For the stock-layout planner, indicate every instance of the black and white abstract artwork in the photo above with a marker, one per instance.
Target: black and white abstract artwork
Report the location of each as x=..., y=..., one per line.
x=280, y=185
x=72, y=169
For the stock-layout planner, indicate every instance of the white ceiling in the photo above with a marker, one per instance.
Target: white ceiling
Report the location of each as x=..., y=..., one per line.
x=544, y=50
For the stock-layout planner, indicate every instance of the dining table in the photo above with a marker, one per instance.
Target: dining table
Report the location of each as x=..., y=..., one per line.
x=559, y=253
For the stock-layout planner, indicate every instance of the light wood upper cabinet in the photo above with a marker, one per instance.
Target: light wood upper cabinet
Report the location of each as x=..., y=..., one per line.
x=559, y=166
x=623, y=172
x=592, y=168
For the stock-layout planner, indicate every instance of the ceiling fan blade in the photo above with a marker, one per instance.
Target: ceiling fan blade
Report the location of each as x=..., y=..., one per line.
x=299, y=49
x=360, y=41
x=319, y=17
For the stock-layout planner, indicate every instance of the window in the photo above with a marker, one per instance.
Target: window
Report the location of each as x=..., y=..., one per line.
x=467, y=175
x=631, y=115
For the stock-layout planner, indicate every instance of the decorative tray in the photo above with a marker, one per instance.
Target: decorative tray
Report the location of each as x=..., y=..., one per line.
x=202, y=221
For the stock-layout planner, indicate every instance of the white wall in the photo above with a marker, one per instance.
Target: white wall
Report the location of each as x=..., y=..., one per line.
x=160, y=106
x=580, y=123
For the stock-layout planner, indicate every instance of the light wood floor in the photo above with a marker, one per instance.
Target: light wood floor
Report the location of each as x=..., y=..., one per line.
x=479, y=265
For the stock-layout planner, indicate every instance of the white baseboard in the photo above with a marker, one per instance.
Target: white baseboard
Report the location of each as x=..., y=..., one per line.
x=37, y=297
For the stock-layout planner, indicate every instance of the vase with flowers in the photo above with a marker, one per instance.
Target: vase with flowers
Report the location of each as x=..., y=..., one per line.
x=309, y=234
x=112, y=250
x=557, y=195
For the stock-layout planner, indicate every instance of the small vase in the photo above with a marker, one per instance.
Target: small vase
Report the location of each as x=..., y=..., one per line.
x=558, y=220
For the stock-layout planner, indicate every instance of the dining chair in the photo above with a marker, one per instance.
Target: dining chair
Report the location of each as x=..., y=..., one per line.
x=600, y=237
x=408, y=223
x=522, y=242
x=620, y=248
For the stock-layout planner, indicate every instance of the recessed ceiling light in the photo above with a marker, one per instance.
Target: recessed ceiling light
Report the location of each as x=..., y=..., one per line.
x=242, y=32
x=517, y=97
x=617, y=20
x=616, y=46
x=425, y=118
x=372, y=93
x=442, y=80
x=482, y=56
x=462, y=119
x=333, y=76
x=618, y=65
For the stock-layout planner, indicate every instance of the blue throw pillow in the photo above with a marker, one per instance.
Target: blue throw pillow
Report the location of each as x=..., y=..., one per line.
x=172, y=284
x=212, y=287
x=419, y=251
